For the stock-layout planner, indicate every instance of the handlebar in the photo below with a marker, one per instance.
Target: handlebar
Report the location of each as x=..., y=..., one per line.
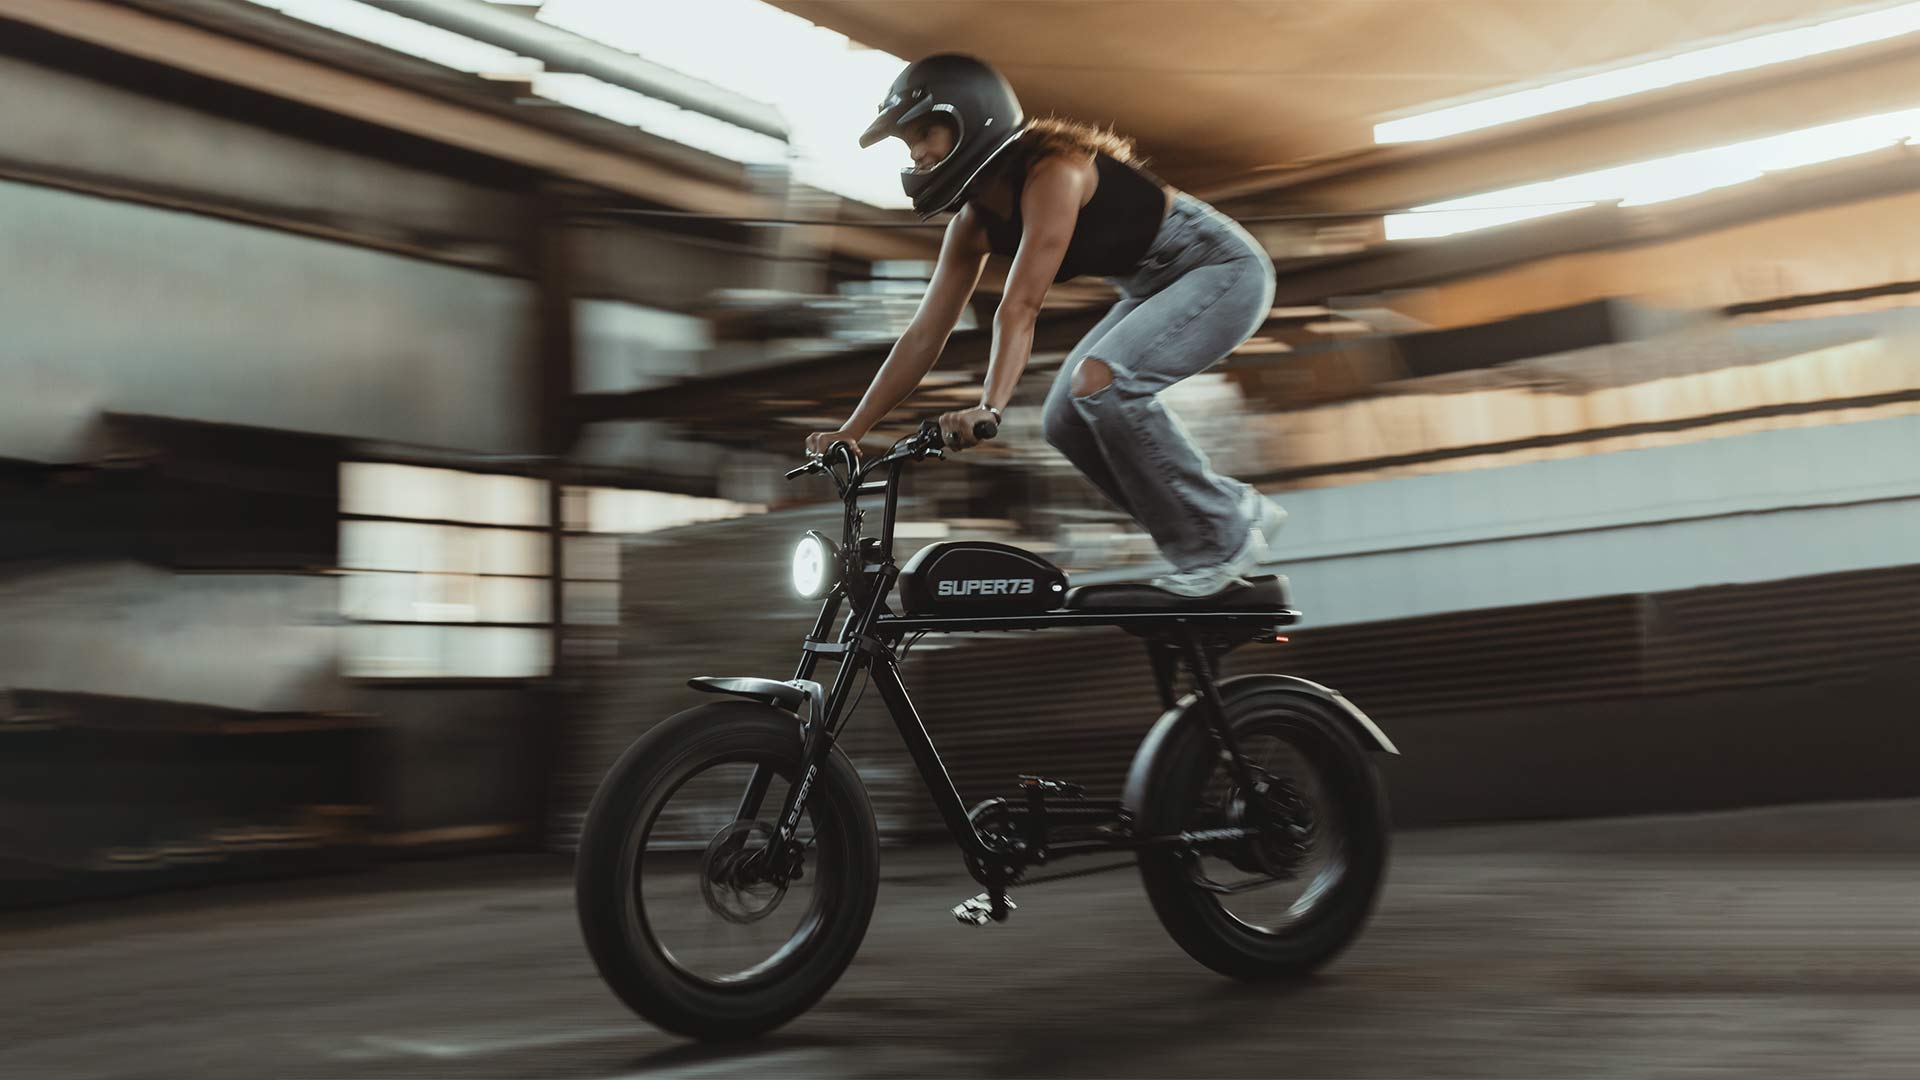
x=921, y=444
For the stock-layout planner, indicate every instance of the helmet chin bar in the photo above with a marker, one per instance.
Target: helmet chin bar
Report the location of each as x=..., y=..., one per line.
x=960, y=190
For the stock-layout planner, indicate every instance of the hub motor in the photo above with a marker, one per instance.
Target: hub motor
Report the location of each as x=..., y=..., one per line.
x=1286, y=825
x=735, y=880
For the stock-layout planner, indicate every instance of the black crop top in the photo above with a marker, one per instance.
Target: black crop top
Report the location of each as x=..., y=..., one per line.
x=1114, y=229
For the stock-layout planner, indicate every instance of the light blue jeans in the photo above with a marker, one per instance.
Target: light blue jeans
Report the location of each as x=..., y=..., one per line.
x=1201, y=290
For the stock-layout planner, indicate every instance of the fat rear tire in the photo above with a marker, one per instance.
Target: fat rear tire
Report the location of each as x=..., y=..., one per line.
x=1193, y=916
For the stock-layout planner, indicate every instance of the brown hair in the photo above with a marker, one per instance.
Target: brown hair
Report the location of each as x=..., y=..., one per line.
x=1057, y=134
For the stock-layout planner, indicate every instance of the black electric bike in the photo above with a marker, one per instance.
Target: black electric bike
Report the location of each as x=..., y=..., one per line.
x=1252, y=809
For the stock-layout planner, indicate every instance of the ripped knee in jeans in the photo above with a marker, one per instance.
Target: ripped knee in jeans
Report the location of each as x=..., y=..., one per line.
x=1090, y=376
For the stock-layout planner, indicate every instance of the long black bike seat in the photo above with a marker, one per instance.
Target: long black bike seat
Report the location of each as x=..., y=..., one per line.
x=1266, y=593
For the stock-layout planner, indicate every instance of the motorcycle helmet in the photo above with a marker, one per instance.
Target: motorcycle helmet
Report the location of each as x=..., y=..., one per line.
x=978, y=101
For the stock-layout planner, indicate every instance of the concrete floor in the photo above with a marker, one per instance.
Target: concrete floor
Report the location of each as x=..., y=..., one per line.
x=1778, y=943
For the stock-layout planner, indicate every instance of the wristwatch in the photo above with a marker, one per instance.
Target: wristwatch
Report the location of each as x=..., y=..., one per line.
x=994, y=411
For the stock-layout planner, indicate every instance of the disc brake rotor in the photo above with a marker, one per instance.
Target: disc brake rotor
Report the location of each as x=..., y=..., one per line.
x=735, y=879
x=1286, y=823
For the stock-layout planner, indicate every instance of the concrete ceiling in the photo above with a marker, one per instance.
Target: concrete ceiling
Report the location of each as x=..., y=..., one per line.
x=1219, y=92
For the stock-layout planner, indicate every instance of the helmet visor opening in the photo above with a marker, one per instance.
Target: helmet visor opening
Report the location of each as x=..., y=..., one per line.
x=940, y=116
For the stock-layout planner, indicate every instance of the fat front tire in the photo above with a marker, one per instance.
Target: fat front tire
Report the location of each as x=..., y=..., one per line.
x=650, y=857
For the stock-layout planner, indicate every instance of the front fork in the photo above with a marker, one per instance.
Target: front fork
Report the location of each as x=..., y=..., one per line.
x=817, y=733
x=762, y=777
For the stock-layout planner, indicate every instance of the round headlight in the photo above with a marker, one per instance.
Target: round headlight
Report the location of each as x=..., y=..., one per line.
x=816, y=566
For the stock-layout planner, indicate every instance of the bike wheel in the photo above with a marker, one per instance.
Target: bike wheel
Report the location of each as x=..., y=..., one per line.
x=674, y=902
x=1284, y=903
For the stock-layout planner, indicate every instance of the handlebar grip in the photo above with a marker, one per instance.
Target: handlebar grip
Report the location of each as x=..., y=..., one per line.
x=985, y=429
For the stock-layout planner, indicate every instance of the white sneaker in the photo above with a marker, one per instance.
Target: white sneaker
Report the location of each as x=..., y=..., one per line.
x=1268, y=517
x=1213, y=580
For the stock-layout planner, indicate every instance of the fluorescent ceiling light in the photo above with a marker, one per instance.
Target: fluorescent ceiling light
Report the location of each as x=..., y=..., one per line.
x=1437, y=220
x=1661, y=179
x=656, y=117
x=1744, y=54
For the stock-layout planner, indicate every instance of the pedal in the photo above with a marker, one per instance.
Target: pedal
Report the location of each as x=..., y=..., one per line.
x=979, y=910
x=1063, y=788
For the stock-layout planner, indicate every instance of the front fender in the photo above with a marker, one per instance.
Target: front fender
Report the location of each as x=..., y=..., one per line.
x=788, y=695
x=1185, y=714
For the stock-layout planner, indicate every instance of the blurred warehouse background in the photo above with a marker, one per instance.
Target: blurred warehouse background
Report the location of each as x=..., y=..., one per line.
x=396, y=394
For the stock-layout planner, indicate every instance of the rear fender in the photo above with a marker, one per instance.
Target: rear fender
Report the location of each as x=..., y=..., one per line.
x=1186, y=716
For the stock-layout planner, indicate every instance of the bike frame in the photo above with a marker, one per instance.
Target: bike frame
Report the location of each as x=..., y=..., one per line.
x=871, y=634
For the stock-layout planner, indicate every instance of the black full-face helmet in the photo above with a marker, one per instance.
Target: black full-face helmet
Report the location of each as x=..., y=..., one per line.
x=978, y=101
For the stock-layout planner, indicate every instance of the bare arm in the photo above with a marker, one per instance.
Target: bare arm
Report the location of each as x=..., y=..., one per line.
x=963, y=255
x=1050, y=205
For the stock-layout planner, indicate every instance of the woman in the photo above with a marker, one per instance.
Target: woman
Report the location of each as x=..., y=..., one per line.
x=1064, y=199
